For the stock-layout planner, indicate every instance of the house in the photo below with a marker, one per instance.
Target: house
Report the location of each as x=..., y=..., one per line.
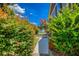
x=56, y=7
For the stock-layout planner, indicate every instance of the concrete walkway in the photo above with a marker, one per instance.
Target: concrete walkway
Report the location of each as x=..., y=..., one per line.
x=41, y=48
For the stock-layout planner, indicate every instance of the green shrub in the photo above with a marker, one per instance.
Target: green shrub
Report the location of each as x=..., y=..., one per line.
x=64, y=31
x=15, y=37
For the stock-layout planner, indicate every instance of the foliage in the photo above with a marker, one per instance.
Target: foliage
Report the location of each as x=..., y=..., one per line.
x=2, y=14
x=7, y=10
x=43, y=24
x=15, y=39
x=17, y=36
x=64, y=31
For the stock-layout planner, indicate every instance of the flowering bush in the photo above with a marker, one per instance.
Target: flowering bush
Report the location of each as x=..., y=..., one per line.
x=64, y=31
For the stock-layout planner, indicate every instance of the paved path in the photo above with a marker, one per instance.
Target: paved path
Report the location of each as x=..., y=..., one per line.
x=41, y=47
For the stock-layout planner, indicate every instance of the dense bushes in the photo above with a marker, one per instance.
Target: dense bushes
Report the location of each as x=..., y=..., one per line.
x=64, y=31
x=17, y=36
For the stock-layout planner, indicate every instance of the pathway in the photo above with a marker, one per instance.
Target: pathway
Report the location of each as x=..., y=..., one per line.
x=41, y=46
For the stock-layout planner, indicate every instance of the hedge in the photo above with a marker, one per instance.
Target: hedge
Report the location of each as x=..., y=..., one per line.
x=64, y=31
x=15, y=37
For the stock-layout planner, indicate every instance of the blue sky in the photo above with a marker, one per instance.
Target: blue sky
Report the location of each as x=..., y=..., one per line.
x=35, y=11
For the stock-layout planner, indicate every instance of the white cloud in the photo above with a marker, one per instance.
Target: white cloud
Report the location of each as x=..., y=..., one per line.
x=20, y=15
x=31, y=13
x=34, y=23
x=17, y=10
